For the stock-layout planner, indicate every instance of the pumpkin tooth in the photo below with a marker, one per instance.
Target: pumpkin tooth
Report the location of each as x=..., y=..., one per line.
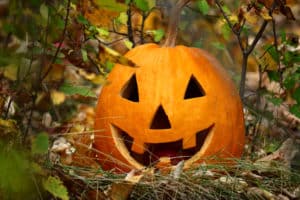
x=189, y=142
x=163, y=162
x=138, y=147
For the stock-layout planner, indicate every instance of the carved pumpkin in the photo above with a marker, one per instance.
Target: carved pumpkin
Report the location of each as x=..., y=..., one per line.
x=177, y=104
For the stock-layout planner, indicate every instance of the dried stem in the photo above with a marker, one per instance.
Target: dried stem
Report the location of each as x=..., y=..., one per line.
x=173, y=24
x=60, y=43
x=247, y=49
x=129, y=25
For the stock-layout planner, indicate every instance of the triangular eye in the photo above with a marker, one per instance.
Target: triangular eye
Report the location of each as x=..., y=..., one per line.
x=193, y=89
x=160, y=119
x=130, y=90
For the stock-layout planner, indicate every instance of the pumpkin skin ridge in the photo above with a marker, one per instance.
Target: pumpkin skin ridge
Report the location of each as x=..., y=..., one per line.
x=176, y=53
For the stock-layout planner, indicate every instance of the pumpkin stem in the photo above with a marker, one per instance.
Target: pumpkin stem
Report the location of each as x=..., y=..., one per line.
x=173, y=23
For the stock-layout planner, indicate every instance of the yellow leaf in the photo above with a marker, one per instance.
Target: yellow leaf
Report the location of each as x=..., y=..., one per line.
x=233, y=19
x=251, y=18
x=108, y=54
x=96, y=79
x=10, y=72
x=7, y=127
x=56, y=73
x=265, y=14
x=267, y=62
x=57, y=97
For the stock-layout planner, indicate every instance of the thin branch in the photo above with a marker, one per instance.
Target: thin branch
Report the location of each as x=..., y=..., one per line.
x=246, y=50
x=257, y=37
x=277, y=51
x=237, y=33
x=129, y=25
x=61, y=41
x=144, y=17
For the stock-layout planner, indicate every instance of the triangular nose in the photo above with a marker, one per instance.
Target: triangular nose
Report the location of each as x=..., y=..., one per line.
x=160, y=119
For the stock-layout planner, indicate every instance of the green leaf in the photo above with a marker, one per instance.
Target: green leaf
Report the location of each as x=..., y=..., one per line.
x=198, y=43
x=142, y=5
x=16, y=174
x=70, y=89
x=109, y=65
x=81, y=19
x=151, y=4
x=55, y=186
x=283, y=36
x=272, y=51
x=84, y=55
x=158, y=34
x=218, y=45
x=272, y=146
x=102, y=32
x=111, y=5
x=296, y=59
x=289, y=82
x=296, y=95
x=295, y=110
x=40, y=144
x=287, y=58
x=203, y=6
x=44, y=11
x=226, y=31
x=226, y=10
x=122, y=18
x=274, y=76
x=275, y=100
x=128, y=44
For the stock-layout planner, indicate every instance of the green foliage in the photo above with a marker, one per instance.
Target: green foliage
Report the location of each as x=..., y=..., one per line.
x=158, y=34
x=273, y=52
x=16, y=177
x=44, y=11
x=296, y=95
x=275, y=100
x=81, y=19
x=142, y=4
x=218, y=45
x=295, y=109
x=109, y=65
x=122, y=18
x=55, y=186
x=40, y=144
x=203, y=6
x=111, y=5
x=71, y=89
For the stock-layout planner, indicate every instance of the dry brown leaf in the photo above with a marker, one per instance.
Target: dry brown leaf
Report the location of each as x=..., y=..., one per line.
x=56, y=73
x=120, y=190
x=98, y=16
x=284, y=154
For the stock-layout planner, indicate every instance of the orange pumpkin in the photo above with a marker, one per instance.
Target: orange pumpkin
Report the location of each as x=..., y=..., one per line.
x=177, y=104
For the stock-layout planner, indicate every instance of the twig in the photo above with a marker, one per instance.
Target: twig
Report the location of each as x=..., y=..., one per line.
x=246, y=50
x=143, y=26
x=129, y=25
x=57, y=115
x=60, y=43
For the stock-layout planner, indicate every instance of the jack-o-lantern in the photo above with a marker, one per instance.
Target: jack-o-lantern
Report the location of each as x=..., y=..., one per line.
x=177, y=104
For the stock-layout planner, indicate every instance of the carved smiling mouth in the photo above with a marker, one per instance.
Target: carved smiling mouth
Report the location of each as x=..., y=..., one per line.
x=154, y=152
